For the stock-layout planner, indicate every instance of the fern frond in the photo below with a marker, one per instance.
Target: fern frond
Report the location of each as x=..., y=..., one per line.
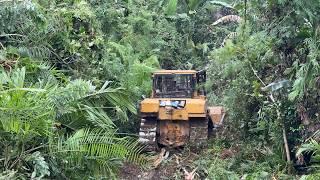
x=35, y=52
x=98, y=146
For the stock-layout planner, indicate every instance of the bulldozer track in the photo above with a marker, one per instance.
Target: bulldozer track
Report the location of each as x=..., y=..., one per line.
x=148, y=133
x=198, y=132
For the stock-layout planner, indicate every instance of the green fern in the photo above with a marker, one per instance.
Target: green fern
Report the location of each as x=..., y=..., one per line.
x=98, y=117
x=100, y=147
x=312, y=146
x=30, y=106
x=41, y=167
x=307, y=72
x=35, y=52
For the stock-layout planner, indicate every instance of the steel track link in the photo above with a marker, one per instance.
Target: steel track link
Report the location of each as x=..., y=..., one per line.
x=198, y=132
x=147, y=134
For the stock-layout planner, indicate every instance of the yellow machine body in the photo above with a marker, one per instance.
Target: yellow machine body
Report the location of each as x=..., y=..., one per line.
x=179, y=115
x=193, y=108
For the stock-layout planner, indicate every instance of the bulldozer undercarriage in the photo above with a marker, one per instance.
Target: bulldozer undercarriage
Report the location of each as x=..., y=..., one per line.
x=173, y=133
x=198, y=132
x=147, y=134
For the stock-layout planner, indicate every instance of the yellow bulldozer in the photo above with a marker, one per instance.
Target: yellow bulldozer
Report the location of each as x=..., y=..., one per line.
x=177, y=113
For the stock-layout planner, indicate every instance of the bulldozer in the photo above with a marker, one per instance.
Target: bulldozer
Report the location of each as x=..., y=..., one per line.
x=177, y=114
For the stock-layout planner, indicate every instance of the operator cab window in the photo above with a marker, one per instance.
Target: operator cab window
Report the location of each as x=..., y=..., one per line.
x=173, y=85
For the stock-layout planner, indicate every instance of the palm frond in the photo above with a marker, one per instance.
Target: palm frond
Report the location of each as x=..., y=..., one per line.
x=193, y=4
x=99, y=117
x=30, y=106
x=15, y=79
x=98, y=146
x=221, y=3
x=117, y=97
x=313, y=146
x=171, y=7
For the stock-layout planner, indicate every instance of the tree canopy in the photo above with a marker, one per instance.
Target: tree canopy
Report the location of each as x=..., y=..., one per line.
x=73, y=71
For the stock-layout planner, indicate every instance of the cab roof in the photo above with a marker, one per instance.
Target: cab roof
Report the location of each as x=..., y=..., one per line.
x=175, y=72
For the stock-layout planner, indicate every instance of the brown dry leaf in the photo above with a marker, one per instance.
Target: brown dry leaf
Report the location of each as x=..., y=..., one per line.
x=189, y=176
x=227, y=153
x=177, y=159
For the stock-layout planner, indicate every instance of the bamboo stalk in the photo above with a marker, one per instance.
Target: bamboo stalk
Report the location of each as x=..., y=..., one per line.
x=284, y=134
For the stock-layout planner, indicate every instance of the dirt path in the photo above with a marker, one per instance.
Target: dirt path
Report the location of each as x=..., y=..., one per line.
x=173, y=167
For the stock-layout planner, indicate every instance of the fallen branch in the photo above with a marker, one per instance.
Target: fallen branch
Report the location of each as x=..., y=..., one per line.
x=162, y=156
x=6, y=35
x=2, y=46
x=226, y=19
x=189, y=175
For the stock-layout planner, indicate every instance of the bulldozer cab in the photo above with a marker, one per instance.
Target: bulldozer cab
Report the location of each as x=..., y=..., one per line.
x=178, y=84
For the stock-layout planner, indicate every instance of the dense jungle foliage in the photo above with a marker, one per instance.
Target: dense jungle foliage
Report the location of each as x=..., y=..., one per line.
x=73, y=71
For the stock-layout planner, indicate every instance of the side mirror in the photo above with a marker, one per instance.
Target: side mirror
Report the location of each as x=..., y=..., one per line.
x=143, y=96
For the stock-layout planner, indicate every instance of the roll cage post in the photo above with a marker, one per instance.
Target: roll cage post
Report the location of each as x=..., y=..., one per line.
x=201, y=80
